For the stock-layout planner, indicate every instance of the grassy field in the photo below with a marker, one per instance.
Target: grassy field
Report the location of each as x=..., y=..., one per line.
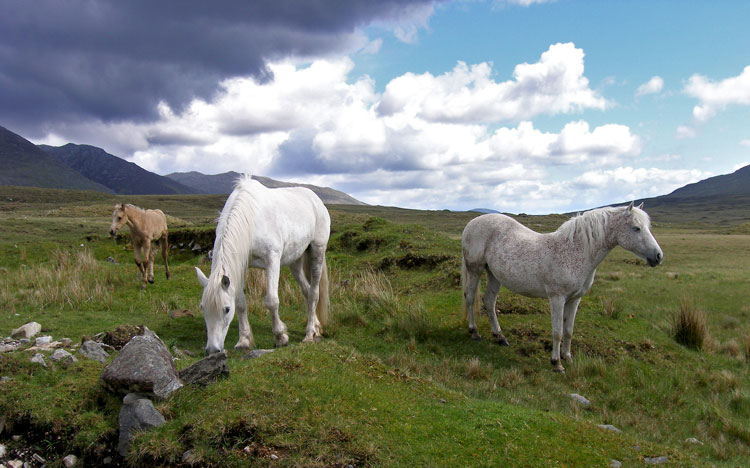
x=397, y=381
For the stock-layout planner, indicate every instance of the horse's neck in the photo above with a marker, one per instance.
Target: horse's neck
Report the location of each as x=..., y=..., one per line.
x=135, y=220
x=593, y=247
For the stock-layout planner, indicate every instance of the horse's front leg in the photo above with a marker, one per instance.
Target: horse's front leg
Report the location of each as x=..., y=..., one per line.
x=556, y=304
x=272, y=302
x=164, y=252
x=471, y=283
x=569, y=318
x=246, y=340
x=150, y=259
x=137, y=256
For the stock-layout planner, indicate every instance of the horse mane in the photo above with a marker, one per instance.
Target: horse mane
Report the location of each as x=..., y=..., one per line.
x=591, y=226
x=234, y=231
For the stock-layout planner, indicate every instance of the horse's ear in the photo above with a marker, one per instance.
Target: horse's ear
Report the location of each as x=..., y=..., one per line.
x=629, y=208
x=225, y=282
x=640, y=207
x=201, y=277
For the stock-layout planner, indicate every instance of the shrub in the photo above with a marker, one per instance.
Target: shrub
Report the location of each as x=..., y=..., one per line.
x=689, y=326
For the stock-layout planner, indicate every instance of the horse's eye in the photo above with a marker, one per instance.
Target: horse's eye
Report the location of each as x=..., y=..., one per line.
x=636, y=229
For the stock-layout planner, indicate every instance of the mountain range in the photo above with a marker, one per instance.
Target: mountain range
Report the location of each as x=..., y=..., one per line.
x=86, y=167
x=722, y=199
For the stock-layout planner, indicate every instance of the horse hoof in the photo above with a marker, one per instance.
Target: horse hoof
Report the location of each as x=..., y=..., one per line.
x=502, y=341
x=151, y=280
x=169, y=276
x=475, y=334
x=556, y=366
x=281, y=341
x=567, y=357
x=242, y=347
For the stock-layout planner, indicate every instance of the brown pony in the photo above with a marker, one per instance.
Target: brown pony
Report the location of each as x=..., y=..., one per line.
x=145, y=226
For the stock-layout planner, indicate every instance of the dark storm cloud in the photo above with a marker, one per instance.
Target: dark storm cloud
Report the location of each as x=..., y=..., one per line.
x=114, y=60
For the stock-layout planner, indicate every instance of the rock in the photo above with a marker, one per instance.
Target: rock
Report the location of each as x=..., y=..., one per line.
x=63, y=357
x=144, y=365
x=137, y=413
x=656, y=460
x=106, y=460
x=38, y=458
x=580, y=399
x=70, y=461
x=256, y=353
x=2, y=450
x=111, y=260
x=39, y=359
x=274, y=456
x=693, y=440
x=26, y=331
x=615, y=464
x=206, y=370
x=66, y=342
x=8, y=345
x=608, y=427
x=42, y=340
x=15, y=464
x=94, y=351
x=16, y=438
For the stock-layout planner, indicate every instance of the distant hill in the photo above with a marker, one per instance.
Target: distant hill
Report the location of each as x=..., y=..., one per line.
x=723, y=199
x=23, y=163
x=484, y=210
x=117, y=174
x=224, y=183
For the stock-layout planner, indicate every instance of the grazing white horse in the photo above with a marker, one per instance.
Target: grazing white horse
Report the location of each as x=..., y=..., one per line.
x=559, y=266
x=266, y=228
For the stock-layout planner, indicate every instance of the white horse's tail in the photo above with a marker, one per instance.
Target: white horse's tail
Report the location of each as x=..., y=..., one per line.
x=323, y=302
x=321, y=310
x=464, y=274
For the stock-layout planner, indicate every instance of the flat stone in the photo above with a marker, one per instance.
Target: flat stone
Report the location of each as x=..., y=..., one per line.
x=656, y=460
x=39, y=359
x=206, y=370
x=42, y=340
x=693, y=440
x=615, y=464
x=94, y=351
x=8, y=345
x=137, y=414
x=256, y=353
x=15, y=463
x=144, y=365
x=2, y=450
x=70, y=461
x=580, y=399
x=26, y=331
x=608, y=427
x=63, y=357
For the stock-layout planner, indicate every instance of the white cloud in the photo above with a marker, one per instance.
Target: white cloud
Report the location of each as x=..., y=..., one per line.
x=468, y=94
x=372, y=47
x=313, y=123
x=745, y=143
x=652, y=86
x=523, y=3
x=716, y=96
x=684, y=132
x=740, y=165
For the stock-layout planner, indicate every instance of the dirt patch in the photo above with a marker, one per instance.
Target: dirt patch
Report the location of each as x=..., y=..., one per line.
x=411, y=261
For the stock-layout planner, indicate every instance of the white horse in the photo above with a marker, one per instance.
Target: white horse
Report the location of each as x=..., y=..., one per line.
x=266, y=228
x=559, y=266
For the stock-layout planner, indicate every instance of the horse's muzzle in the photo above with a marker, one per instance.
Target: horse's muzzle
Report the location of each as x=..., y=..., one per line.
x=655, y=259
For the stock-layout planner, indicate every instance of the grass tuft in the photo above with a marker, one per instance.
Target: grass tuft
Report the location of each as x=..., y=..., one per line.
x=689, y=326
x=610, y=308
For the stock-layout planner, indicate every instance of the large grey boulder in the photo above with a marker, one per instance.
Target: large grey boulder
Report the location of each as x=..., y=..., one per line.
x=144, y=365
x=94, y=351
x=63, y=357
x=26, y=331
x=137, y=414
x=206, y=370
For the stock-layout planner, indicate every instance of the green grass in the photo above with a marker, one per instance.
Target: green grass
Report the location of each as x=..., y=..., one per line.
x=397, y=381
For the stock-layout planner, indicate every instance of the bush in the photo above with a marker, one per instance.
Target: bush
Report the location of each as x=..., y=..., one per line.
x=689, y=326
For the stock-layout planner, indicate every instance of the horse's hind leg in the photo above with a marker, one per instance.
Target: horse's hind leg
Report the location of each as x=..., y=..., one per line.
x=490, y=297
x=149, y=255
x=314, y=260
x=272, y=302
x=246, y=340
x=299, y=268
x=557, y=305
x=164, y=252
x=470, y=284
x=569, y=319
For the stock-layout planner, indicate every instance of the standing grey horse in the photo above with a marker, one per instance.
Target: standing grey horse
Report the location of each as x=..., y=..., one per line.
x=559, y=266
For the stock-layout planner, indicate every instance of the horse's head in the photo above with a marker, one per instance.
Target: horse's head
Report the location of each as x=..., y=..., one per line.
x=119, y=218
x=634, y=234
x=217, y=304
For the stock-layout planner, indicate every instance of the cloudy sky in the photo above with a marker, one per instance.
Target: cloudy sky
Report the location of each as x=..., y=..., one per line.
x=518, y=105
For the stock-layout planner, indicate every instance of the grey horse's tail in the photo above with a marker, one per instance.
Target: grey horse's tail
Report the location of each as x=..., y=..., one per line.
x=464, y=286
